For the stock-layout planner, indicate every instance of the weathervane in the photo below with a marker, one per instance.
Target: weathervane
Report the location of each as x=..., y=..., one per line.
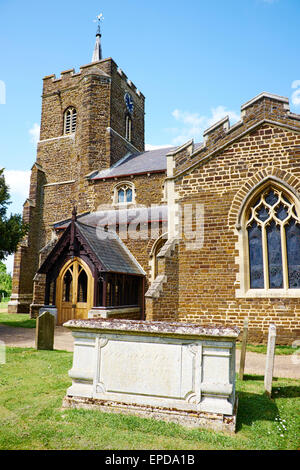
x=98, y=20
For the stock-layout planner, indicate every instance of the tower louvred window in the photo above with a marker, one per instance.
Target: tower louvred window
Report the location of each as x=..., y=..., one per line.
x=128, y=128
x=70, y=119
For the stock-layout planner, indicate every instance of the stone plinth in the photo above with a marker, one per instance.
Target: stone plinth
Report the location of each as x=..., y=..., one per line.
x=172, y=371
x=115, y=312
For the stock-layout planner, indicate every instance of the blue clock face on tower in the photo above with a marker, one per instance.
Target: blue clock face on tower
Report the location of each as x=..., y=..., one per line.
x=129, y=102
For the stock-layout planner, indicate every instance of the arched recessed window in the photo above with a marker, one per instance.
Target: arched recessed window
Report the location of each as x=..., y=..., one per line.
x=157, y=246
x=128, y=127
x=272, y=233
x=70, y=118
x=124, y=193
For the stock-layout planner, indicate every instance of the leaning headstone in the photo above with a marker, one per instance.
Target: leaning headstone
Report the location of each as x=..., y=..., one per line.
x=243, y=351
x=2, y=352
x=44, y=335
x=270, y=360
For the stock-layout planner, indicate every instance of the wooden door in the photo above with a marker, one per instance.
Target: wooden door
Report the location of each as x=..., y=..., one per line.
x=75, y=291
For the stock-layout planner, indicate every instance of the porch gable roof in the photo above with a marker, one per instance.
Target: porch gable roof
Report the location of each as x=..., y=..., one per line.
x=104, y=247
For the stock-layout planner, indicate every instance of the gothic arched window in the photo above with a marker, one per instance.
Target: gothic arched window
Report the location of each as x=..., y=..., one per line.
x=272, y=225
x=124, y=193
x=70, y=118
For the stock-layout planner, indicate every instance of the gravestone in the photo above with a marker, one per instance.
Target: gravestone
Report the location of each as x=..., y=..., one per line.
x=243, y=351
x=44, y=335
x=177, y=372
x=270, y=360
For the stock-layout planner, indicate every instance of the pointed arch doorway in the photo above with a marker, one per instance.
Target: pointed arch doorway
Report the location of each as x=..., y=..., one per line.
x=75, y=291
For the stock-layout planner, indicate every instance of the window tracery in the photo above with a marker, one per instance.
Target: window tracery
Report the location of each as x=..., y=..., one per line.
x=273, y=231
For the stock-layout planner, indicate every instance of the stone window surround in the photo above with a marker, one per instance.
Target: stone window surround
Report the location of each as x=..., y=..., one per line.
x=73, y=120
x=156, y=247
x=123, y=185
x=242, y=244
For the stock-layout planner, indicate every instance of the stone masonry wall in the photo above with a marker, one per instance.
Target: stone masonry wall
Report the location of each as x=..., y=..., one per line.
x=163, y=295
x=148, y=189
x=209, y=277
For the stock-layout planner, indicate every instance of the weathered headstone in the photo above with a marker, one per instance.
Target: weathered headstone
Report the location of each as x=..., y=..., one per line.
x=44, y=335
x=243, y=351
x=270, y=360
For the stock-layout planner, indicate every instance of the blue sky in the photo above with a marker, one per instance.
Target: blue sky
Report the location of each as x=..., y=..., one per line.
x=195, y=61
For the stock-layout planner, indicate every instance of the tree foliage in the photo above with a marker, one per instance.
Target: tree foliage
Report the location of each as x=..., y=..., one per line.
x=5, y=281
x=12, y=229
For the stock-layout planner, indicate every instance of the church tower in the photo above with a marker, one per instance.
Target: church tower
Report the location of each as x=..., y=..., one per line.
x=90, y=120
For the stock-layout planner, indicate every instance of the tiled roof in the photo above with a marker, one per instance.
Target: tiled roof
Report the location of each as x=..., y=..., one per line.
x=144, y=162
x=110, y=250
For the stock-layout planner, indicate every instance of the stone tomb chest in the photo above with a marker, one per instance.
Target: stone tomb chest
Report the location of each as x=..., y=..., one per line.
x=172, y=371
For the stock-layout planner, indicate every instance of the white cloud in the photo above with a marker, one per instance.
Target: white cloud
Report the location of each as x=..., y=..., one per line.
x=296, y=93
x=35, y=133
x=155, y=147
x=194, y=124
x=18, y=182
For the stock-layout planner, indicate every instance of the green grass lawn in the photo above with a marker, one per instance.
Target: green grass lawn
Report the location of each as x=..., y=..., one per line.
x=33, y=384
x=17, y=319
x=262, y=348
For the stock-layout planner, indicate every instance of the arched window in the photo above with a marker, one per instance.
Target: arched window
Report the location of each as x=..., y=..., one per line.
x=157, y=246
x=124, y=193
x=70, y=118
x=272, y=233
x=128, y=127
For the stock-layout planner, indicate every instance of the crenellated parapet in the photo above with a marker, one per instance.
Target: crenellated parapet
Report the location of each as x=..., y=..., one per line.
x=264, y=108
x=104, y=68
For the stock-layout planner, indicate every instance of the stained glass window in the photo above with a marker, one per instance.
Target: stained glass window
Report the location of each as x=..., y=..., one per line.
x=256, y=257
x=274, y=256
x=292, y=231
x=273, y=228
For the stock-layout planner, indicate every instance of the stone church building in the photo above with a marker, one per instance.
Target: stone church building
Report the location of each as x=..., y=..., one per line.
x=206, y=232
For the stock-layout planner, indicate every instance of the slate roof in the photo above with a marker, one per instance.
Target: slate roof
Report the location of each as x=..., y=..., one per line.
x=138, y=163
x=119, y=216
x=104, y=247
x=151, y=161
x=110, y=250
